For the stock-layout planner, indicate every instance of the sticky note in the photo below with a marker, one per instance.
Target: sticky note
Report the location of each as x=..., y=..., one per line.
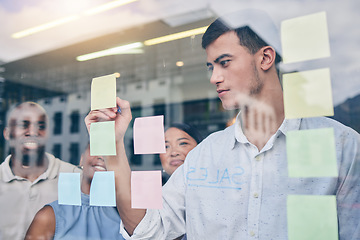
x=308, y=94
x=311, y=153
x=149, y=135
x=102, y=189
x=69, y=192
x=146, y=189
x=103, y=92
x=312, y=217
x=305, y=38
x=102, y=139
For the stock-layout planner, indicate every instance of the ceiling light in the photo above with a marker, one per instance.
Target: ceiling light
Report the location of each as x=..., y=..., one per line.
x=44, y=27
x=175, y=36
x=95, y=10
x=179, y=63
x=107, y=6
x=124, y=49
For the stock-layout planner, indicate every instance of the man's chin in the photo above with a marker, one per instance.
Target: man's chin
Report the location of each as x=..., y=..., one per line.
x=30, y=152
x=228, y=106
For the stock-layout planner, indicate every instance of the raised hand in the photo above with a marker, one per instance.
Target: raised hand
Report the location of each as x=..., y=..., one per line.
x=122, y=118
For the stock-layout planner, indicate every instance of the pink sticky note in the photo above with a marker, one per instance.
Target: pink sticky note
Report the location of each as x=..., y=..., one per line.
x=146, y=189
x=149, y=135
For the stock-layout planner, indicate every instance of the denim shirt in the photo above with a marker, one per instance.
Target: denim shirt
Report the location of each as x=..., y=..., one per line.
x=85, y=221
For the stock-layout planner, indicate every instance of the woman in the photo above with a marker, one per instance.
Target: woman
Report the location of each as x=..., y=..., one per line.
x=56, y=221
x=180, y=138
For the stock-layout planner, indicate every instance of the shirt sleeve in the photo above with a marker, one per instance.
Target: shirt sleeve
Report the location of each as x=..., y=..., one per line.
x=168, y=222
x=348, y=195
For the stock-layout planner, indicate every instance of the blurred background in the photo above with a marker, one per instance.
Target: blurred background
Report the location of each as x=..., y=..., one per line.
x=45, y=49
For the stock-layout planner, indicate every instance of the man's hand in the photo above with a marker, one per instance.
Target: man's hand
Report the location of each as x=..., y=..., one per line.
x=122, y=119
x=258, y=120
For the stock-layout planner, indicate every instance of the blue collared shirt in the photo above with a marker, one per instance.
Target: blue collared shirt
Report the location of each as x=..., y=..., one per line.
x=228, y=189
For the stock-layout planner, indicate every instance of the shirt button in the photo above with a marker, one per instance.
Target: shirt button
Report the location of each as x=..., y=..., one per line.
x=258, y=158
x=256, y=195
x=252, y=233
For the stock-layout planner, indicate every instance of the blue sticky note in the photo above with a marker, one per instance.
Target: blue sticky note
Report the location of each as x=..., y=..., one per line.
x=69, y=192
x=102, y=190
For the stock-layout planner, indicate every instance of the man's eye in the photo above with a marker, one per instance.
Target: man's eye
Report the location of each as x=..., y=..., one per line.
x=24, y=125
x=42, y=126
x=210, y=68
x=225, y=63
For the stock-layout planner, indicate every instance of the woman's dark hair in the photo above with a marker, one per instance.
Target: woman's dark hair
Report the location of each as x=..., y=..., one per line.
x=189, y=129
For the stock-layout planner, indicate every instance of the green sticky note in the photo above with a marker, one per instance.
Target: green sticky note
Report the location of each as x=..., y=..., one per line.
x=311, y=153
x=102, y=139
x=305, y=38
x=308, y=94
x=312, y=217
x=103, y=92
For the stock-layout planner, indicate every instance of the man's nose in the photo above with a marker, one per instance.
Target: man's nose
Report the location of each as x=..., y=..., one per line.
x=33, y=129
x=216, y=76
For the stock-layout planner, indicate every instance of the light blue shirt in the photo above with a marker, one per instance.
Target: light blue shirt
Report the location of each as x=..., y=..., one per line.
x=227, y=189
x=86, y=222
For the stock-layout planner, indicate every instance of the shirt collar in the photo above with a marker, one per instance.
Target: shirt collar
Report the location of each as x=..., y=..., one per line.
x=287, y=125
x=8, y=175
x=290, y=125
x=51, y=171
x=239, y=134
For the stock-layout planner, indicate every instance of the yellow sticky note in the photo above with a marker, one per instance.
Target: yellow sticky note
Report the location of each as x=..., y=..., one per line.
x=102, y=139
x=103, y=92
x=312, y=217
x=305, y=38
x=308, y=94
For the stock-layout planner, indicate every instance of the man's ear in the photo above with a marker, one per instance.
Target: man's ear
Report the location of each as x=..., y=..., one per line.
x=6, y=133
x=268, y=57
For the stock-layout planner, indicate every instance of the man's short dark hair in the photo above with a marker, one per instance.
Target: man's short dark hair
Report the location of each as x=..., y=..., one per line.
x=247, y=37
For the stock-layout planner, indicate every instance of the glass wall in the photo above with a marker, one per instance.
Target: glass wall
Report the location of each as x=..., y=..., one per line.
x=171, y=78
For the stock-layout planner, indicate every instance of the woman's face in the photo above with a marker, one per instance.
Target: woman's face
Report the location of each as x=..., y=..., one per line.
x=177, y=143
x=91, y=164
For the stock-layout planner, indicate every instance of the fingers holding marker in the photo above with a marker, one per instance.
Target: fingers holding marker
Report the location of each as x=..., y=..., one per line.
x=123, y=117
x=121, y=114
x=99, y=116
x=123, y=108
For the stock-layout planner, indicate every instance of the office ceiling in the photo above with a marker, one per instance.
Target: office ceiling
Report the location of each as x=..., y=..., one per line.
x=16, y=16
x=100, y=31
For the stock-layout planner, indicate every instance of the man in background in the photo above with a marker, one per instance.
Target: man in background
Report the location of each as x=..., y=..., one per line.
x=29, y=175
